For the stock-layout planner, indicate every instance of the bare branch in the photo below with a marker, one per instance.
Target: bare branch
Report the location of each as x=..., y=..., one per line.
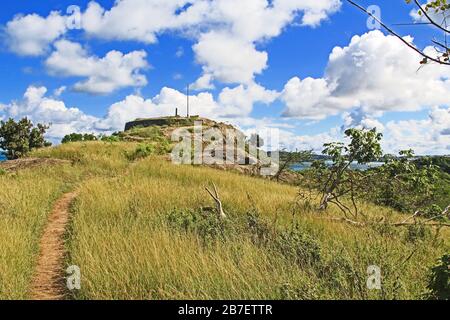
x=392, y=32
x=425, y=13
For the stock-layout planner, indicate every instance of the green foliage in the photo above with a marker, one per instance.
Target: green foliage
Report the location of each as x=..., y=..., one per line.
x=403, y=185
x=145, y=132
x=439, y=282
x=433, y=211
x=144, y=150
x=437, y=6
x=364, y=147
x=112, y=138
x=207, y=225
x=441, y=193
x=294, y=244
x=299, y=247
x=339, y=180
x=78, y=137
x=2, y=172
x=443, y=162
x=73, y=137
x=417, y=232
x=141, y=151
x=19, y=138
x=89, y=137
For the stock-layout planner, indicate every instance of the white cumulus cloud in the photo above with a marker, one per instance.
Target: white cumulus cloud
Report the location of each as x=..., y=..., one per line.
x=376, y=73
x=104, y=75
x=225, y=37
x=32, y=34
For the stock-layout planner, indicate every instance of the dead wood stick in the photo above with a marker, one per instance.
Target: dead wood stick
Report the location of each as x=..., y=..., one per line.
x=411, y=217
x=216, y=198
x=399, y=224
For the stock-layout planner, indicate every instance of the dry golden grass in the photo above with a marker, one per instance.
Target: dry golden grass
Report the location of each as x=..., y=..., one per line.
x=26, y=197
x=126, y=248
x=126, y=251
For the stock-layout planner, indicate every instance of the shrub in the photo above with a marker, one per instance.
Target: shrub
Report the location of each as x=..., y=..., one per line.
x=73, y=137
x=78, y=137
x=2, y=172
x=439, y=282
x=163, y=147
x=403, y=185
x=434, y=211
x=259, y=229
x=142, y=151
x=417, y=232
x=113, y=138
x=182, y=219
x=207, y=225
x=299, y=246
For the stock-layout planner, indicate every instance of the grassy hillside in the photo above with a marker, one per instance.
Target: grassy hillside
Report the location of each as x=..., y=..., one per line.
x=143, y=229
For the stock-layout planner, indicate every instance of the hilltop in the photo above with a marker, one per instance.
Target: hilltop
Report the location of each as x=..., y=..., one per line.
x=174, y=122
x=142, y=128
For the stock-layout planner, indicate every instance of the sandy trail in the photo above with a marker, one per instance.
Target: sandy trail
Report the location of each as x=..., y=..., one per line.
x=48, y=281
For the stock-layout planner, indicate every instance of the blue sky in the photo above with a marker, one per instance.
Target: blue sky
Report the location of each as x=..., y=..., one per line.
x=308, y=112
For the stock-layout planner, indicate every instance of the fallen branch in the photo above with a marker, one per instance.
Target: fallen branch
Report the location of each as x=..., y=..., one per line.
x=399, y=224
x=411, y=217
x=216, y=198
x=436, y=224
x=346, y=220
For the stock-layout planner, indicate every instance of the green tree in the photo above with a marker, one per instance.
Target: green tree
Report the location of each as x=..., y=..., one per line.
x=339, y=180
x=404, y=185
x=89, y=137
x=78, y=137
x=73, y=137
x=17, y=139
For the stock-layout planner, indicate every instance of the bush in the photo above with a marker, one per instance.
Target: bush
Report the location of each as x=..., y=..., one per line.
x=299, y=246
x=163, y=147
x=207, y=225
x=19, y=138
x=78, y=137
x=258, y=229
x=434, y=211
x=439, y=282
x=417, y=232
x=403, y=185
x=2, y=172
x=113, y=138
x=142, y=151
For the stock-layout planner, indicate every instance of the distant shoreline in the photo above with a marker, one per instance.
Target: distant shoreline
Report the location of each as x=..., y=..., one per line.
x=356, y=166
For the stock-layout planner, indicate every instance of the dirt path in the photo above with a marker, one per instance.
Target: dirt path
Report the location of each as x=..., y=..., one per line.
x=48, y=281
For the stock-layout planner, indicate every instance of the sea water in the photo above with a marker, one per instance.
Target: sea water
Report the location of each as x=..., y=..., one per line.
x=354, y=166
